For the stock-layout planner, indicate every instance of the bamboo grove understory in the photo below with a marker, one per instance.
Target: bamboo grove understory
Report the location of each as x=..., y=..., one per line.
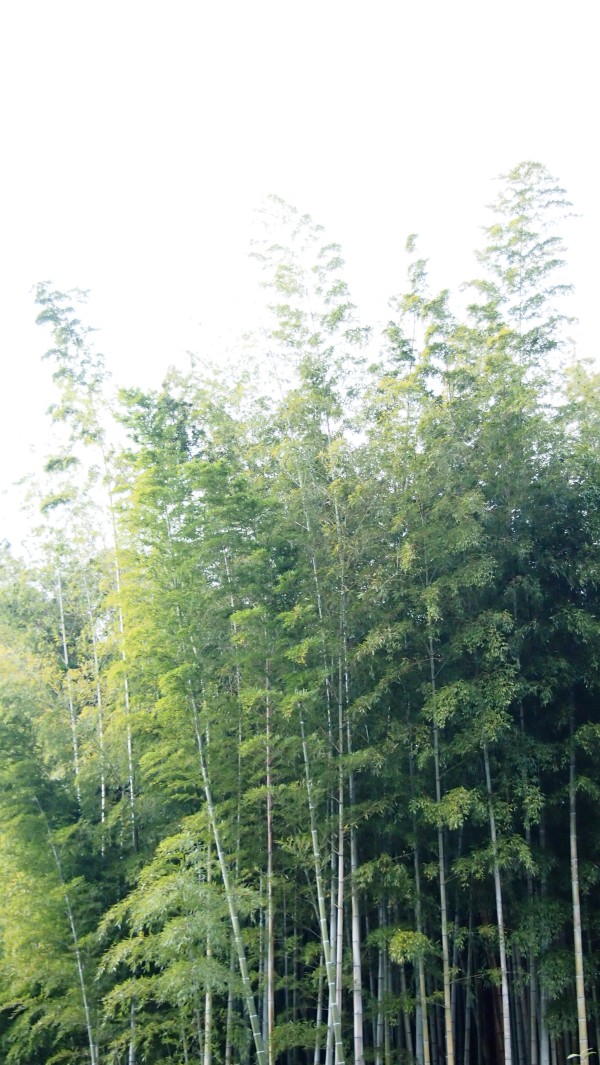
x=299, y=684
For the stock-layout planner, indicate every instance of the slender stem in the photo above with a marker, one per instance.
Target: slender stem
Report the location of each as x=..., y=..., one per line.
x=70, y=703
x=506, y=1026
x=329, y=966
x=231, y=905
x=442, y=871
x=93, y=1049
x=584, y=1050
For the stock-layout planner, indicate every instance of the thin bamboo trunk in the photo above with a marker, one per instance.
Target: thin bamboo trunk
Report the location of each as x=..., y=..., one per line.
x=498, y=1036
x=521, y=1024
x=342, y=700
x=441, y=851
x=468, y=991
x=100, y=708
x=126, y=699
x=270, y=915
x=341, y=876
x=544, y=1033
x=433, y=1030
x=330, y=1047
x=418, y=1034
x=530, y=1024
x=329, y=966
x=184, y=1045
x=533, y=1009
x=380, y=993
x=506, y=1027
x=286, y=977
x=387, y=1042
x=357, y=997
x=231, y=905
x=372, y=985
x=128, y=730
x=131, y=1056
x=545, y=939
x=517, y=1025
x=262, y=999
x=70, y=703
x=330, y=1043
x=199, y=1033
x=92, y=1044
x=332, y=942
x=405, y=1017
x=442, y=871
x=481, y=1042
x=229, y=1013
x=584, y=1050
x=422, y=990
x=319, y=1014
x=295, y=961
x=208, y=997
x=454, y=988
x=594, y=994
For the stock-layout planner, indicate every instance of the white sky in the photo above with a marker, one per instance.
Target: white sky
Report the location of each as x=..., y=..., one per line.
x=138, y=137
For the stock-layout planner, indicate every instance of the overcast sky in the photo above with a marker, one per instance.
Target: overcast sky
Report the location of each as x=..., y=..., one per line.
x=137, y=139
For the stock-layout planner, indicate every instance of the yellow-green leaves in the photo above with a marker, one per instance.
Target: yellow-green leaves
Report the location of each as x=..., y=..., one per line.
x=408, y=946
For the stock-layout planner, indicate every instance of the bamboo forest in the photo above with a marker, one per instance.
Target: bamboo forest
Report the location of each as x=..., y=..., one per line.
x=300, y=680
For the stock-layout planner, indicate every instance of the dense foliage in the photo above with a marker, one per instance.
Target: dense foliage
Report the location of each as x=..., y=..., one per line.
x=299, y=702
